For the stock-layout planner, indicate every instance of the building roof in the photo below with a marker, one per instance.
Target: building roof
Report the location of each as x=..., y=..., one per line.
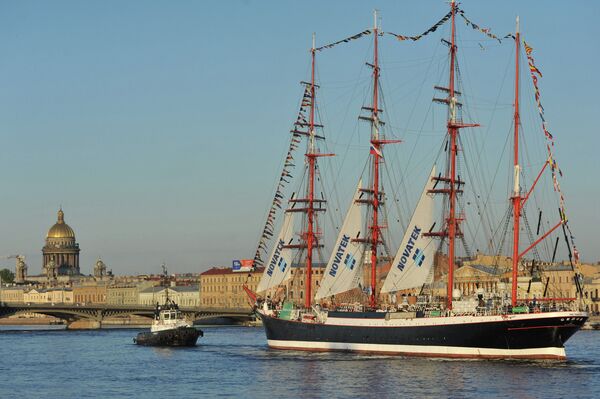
x=493, y=270
x=180, y=288
x=227, y=270
x=557, y=268
x=13, y=289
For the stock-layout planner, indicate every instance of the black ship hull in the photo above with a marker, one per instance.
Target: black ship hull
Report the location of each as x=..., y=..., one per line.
x=182, y=336
x=528, y=336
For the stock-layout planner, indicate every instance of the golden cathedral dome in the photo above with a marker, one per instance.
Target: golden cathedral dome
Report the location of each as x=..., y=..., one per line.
x=61, y=229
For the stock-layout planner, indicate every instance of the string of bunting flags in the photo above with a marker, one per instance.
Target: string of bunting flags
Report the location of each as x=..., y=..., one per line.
x=485, y=31
x=432, y=29
x=276, y=204
x=346, y=40
x=535, y=73
x=533, y=70
x=428, y=31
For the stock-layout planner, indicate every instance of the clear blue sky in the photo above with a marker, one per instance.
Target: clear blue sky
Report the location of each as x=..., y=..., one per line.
x=159, y=126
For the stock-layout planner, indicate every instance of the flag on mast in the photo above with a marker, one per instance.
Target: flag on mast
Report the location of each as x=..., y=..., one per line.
x=375, y=151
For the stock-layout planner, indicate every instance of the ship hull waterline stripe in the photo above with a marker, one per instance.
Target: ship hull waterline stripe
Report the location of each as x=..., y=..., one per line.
x=422, y=350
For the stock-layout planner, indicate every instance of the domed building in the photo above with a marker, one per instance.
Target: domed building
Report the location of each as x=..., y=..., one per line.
x=61, y=251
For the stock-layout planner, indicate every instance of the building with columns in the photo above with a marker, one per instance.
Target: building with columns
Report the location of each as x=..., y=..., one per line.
x=61, y=252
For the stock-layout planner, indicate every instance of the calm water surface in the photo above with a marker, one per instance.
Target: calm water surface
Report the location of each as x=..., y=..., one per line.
x=235, y=362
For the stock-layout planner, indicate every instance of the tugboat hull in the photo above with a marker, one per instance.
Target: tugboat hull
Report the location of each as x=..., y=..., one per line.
x=182, y=336
x=533, y=336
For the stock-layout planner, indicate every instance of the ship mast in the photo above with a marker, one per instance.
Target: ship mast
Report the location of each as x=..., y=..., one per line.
x=311, y=157
x=376, y=148
x=310, y=233
x=376, y=155
x=516, y=198
x=453, y=183
x=453, y=131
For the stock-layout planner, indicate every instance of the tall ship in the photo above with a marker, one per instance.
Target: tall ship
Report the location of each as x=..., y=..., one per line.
x=376, y=297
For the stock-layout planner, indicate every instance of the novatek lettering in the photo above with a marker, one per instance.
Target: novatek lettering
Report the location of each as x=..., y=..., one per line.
x=338, y=255
x=275, y=258
x=409, y=247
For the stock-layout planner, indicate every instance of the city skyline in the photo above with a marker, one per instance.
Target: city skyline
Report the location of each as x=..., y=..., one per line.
x=159, y=129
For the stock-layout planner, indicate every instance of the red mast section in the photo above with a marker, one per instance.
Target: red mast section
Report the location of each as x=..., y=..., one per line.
x=310, y=235
x=376, y=149
x=516, y=198
x=519, y=200
x=452, y=228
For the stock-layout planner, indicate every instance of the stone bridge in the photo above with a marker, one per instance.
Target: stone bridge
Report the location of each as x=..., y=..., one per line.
x=91, y=316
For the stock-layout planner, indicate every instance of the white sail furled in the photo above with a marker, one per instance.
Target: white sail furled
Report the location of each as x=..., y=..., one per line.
x=413, y=263
x=343, y=271
x=280, y=262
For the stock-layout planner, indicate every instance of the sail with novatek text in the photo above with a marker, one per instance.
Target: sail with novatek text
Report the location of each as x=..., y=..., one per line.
x=412, y=266
x=280, y=262
x=343, y=269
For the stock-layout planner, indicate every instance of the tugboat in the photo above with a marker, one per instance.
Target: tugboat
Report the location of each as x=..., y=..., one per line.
x=169, y=327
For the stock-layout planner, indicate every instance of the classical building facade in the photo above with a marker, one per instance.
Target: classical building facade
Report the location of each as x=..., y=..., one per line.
x=184, y=296
x=50, y=295
x=126, y=293
x=12, y=294
x=90, y=293
x=61, y=252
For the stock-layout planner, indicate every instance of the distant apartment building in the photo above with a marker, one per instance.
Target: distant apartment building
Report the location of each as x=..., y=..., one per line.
x=592, y=293
x=221, y=287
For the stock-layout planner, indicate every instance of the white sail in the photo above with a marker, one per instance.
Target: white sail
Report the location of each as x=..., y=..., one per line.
x=413, y=263
x=280, y=262
x=343, y=271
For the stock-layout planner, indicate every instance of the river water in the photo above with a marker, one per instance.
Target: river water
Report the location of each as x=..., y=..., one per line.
x=49, y=362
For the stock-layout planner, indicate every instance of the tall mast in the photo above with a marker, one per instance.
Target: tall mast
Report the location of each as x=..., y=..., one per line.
x=453, y=131
x=376, y=155
x=516, y=198
x=310, y=232
x=453, y=183
x=311, y=157
x=377, y=142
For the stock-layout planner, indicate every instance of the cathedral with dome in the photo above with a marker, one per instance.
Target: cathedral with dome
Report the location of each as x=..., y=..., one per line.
x=61, y=252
